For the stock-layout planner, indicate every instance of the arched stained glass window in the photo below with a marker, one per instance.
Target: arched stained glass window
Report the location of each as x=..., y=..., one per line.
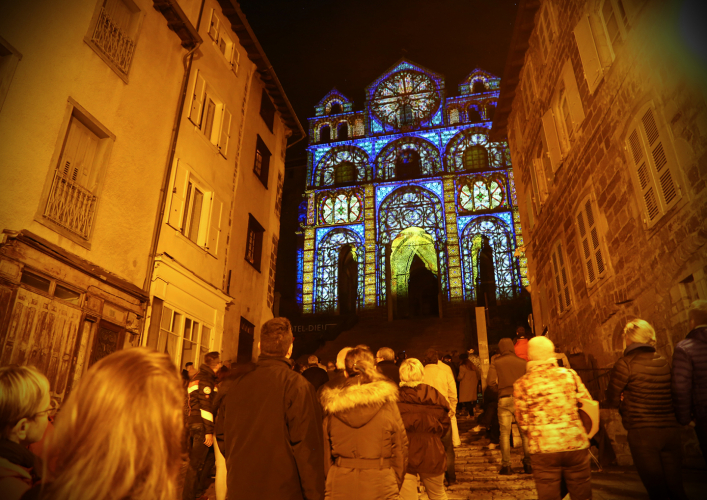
x=495, y=194
x=401, y=151
x=328, y=254
x=340, y=207
x=325, y=172
x=476, y=158
x=325, y=133
x=481, y=196
x=481, y=193
x=344, y=172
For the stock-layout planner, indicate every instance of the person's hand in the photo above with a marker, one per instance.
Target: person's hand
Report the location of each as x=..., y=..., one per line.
x=209, y=439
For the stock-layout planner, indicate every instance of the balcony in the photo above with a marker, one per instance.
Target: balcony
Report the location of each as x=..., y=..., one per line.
x=110, y=39
x=71, y=206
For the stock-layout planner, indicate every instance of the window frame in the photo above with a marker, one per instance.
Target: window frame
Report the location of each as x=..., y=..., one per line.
x=621, y=22
x=547, y=35
x=561, y=278
x=220, y=133
x=254, y=243
x=598, y=246
x=261, y=168
x=178, y=357
x=218, y=32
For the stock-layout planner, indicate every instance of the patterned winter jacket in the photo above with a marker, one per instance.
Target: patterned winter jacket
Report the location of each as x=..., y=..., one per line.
x=546, y=407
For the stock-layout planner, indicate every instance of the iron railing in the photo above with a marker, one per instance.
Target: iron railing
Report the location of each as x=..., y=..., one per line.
x=70, y=205
x=115, y=44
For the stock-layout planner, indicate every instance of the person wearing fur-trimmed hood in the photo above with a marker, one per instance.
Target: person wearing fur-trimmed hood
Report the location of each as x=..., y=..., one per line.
x=365, y=443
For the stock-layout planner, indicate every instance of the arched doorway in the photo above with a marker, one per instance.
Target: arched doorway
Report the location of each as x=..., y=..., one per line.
x=348, y=280
x=414, y=285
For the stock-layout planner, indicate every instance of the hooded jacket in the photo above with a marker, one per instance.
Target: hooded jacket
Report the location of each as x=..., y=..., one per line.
x=643, y=377
x=425, y=413
x=689, y=384
x=505, y=369
x=201, y=393
x=363, y=423
x=16, y=470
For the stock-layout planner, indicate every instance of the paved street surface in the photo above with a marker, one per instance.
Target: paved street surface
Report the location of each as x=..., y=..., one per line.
x=477, y=475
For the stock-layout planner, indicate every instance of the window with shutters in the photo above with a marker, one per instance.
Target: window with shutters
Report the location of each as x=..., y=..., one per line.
x=261, y=165
x=209, y=115
x=112, y=33
x=595, y=51
x=615, y=22
x=254, y=242
x=72, y=190
x=652, y=157
x=221, y=39
x=546, y=30
x=591, y=245
x=185, y=339
x=561, y=278
x=568, y=114
x=195, y=209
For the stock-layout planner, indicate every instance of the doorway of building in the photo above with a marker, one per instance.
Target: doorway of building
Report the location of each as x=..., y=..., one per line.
x=422, y=290
x=348, y=280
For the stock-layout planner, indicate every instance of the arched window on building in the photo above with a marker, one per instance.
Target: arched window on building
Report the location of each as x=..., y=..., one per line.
x=478, y=87
x=407, y=164
x=342, y=131
x=406, y=115
x=490, y=111
x=473, y=114
x=324, y=133
x=335, y=108
x=475, y=158
x=344, y=172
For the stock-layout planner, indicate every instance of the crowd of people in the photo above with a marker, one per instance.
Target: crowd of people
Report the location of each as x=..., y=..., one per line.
x=367, y=426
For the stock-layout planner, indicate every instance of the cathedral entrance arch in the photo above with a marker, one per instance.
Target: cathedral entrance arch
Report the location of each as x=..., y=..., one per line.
x=414, y=271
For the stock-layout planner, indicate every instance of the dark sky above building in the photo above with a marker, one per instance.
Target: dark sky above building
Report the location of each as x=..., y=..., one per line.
x=315, y=45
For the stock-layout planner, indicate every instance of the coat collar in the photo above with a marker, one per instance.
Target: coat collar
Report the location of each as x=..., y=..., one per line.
x=16, y=453
x=350, y=395
x=637, y=345
x=271, y=360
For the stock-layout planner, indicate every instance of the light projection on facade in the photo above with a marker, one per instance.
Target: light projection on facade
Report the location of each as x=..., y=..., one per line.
x=409, y=206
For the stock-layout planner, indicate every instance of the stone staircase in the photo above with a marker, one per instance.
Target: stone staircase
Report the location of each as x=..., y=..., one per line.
x=477, y=470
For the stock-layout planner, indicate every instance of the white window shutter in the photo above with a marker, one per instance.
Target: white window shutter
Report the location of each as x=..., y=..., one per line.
x=662, y=159
x=214, y=26
x=552, y=141
x=179, y=190
x=591, y=64
x=572, y=93
x=225, y=132
x=595, y=244
x=212, y=240
x=585, y=248
x=645, y=179
x=197, y=99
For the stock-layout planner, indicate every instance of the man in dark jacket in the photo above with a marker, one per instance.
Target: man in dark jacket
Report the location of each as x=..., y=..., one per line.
x=639, y=384
x=273, y=427
x=690, y=374
x=385, y=363
x=503, y=372
x=200, y=423
x=316, y=375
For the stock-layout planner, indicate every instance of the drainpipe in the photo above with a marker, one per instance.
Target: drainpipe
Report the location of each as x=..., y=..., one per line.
x=186, y=62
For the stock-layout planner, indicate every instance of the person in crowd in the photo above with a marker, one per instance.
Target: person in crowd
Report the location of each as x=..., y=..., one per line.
x=330, y=366
x=489, y=418
x=440, y=376
x=385, y=363
x=365, y=443
x=25, y=407
x=503, y=372
x=316, y=375
x=521, y=344
x=338, y=376
x=191, y=369
x=118, y=432
x=280, y=458
x=639, y=384
x=200, y=426
x=546, y=411
x=689, y=384
x=400, y=357
x=469, y=377
x=425, y=413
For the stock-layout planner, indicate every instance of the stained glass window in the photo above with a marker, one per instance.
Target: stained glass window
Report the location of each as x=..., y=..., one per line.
x=404, y=98
x=476, y=158
x=324, y=173
x=344, y=172
x=340, y=207
x=327, y=273
x=399, y=153
x=453, y=116
x=481, y=193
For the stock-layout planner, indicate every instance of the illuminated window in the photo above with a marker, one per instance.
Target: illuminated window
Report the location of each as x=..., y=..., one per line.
x=261, y=166
x=344, y=172
x=218, y=32
x=340, y=208
x=476, y=158
x=481, y=194
x=254, y=242
x=560, y=278
x=406, y=115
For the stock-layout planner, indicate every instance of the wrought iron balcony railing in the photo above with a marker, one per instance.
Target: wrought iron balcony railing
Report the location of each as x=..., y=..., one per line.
x=70, y=205
x=113, y=42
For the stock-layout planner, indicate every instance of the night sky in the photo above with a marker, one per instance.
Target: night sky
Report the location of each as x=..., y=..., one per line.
x=315, y=45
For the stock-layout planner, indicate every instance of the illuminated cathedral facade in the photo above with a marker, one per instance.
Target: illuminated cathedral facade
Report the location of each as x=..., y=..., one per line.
x=409, y=208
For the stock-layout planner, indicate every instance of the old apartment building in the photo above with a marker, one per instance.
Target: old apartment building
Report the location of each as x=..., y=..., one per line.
x=124, y=125
x=607, y=124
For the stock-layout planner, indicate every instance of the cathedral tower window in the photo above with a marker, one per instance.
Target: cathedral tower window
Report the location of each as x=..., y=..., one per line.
x=325, y=133
x=344, y=172
x=478, y=87
x=342, y=131
x=335, y=108
x=476, y=158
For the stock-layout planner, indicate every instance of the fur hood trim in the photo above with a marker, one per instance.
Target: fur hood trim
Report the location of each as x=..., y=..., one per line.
x=347, y=397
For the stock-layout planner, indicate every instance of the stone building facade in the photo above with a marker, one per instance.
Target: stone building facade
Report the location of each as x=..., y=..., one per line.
x=606, y=119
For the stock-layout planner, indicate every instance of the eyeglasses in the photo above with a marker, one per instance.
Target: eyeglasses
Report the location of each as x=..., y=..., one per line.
x=50, y=412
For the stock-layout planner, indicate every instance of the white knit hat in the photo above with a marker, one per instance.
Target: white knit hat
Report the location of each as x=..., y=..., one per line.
x=540, y=349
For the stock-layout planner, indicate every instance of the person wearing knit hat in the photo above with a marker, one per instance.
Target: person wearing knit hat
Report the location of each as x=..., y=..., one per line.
x=546, y=411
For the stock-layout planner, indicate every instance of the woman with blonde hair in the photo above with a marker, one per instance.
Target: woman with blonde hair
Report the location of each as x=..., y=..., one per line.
x=640, y=385
x=118, y=435
x=365, y=444
x=425, y=413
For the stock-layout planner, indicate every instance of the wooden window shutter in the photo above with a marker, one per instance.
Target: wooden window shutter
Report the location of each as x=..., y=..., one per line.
x=179, y=190
x=585, y=248
x=645, y=179
x=572, y=92
x=558, y=284
x=591, y=64
x=212, y=239
x=197, y=99
x=540, y=183
x=529, y=208
x=225, y=132
x=565, y=277
x=590, y=243
x=552, y=141
x=661, y=157
x=214, y=26
x=594, y=236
